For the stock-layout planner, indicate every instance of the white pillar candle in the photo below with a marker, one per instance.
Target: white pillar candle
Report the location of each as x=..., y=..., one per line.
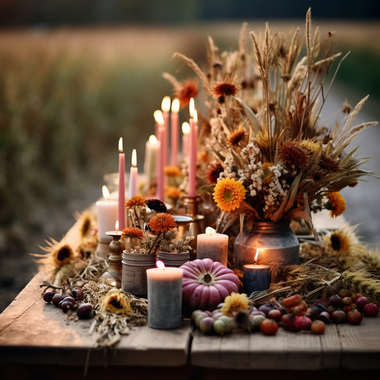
x=212, y=246
x=107, y=210
x=133, y=176
x=151, y=147
x=164, y=297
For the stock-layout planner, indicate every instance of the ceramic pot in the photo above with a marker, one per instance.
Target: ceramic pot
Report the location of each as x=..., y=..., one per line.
x=173, y=259
x=276, y=243
x=134, y=273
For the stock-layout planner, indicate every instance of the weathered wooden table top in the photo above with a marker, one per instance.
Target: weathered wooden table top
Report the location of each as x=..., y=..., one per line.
x=33, y=332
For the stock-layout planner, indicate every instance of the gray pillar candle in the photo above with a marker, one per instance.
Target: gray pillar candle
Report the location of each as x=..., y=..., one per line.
x=212, y=246
x=255, y=278
x=164, y=297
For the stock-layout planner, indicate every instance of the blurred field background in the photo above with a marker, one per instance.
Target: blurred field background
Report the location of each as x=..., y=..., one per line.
x=70, y=87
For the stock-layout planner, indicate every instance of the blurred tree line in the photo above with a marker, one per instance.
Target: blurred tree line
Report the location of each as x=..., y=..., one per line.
x=90, y=12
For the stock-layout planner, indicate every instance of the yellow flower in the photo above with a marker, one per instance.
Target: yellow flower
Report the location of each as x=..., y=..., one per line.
x=229, y=194
x=235, y=302
x=336, y=204
x=137, y=200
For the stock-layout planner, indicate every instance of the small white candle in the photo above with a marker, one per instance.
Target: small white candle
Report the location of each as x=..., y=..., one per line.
x=164, y=297
x=212, y=246
x=107, y=210
x=133, y=176
x=151, y=148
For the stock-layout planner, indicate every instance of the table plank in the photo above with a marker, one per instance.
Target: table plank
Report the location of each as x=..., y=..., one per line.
x=361, y=344
x=34, y=332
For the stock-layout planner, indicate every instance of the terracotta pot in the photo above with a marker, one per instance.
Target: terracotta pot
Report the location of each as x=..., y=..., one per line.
x=134, y=273
x=276, y=243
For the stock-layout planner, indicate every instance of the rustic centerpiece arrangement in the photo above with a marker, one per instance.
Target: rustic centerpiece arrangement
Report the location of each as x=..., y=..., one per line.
x=257, y=157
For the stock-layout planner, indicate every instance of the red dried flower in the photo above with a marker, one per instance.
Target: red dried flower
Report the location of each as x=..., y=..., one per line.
x=188, y=90
x=293, y=155
x=213, y=172
x=162, y=223
x=132, y=232
x=225, y=88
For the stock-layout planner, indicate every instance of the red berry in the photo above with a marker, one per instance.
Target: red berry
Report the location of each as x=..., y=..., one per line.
x=324, y=317
x=336, y=301
x=361, y=302
x=303, y=323
x=338, y=316
x=318, y=327
x=371, y=310
x=269, y=327
x=275, y=314
x=355, y=297
x=347, y=301
x=354, y=317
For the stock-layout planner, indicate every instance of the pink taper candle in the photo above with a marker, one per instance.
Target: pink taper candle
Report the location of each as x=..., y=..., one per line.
x=160, y=167
x=193, y=152
x=121, y=200
x=165, y=106
x=133, y=176
x=157, y=116
x=174, y=130
x=185, y=140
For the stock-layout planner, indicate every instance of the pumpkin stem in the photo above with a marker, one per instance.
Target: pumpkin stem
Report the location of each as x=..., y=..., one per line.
x=207, y=278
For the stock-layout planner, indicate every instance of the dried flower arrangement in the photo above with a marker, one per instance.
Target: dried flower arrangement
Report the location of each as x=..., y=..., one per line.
x=269, y=157
x=152, y=228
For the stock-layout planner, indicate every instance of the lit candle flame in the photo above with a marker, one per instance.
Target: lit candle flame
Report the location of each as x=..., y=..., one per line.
x=160, y=264
x=175, y=105
x=185, y=128
x=121, y=144
x=134, y=158
x=152, y=139
x=196, y=116
x=257, y=254
x=165, y=105
x=191, y=107
x=158, y=117
x=210, y=231
x=106, y=193
x=117, y=226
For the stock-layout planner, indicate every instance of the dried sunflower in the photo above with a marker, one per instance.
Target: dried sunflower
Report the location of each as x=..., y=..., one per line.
x=229, y=194
x=117, y=302
x=137, y=200
x=225, y=88
x=235, y=302
x=336, y=204
x=162, y=223
x=293, y=155
x=237, y=137
x=213, y=172
x=329, y=164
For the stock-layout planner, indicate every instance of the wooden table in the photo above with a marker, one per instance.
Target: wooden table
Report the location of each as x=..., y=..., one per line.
x=36, y=343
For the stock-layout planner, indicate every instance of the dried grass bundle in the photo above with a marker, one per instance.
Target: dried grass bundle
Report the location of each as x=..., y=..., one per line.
x=287, y=163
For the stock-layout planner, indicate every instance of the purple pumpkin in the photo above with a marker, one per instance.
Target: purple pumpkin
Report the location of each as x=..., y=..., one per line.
x=206, y=283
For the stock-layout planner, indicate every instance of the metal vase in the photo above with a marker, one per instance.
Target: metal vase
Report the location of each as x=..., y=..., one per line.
x=276, y=243
x=134, y=273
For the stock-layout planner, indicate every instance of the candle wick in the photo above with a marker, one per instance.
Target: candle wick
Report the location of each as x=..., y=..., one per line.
x=254, y=263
